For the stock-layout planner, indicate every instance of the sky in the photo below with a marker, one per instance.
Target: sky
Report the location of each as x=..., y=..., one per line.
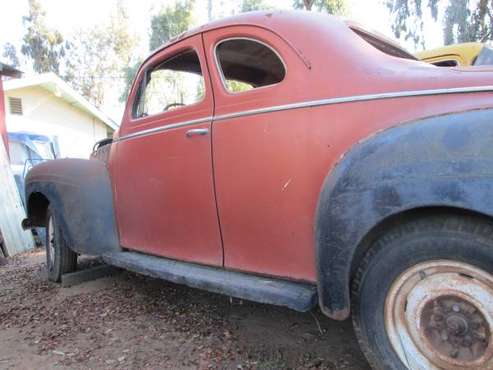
x=70, y=15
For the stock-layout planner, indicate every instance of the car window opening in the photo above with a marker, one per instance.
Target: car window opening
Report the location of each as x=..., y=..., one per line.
x=446, y=63
x=382, y=44
x=485, y=57
x=173, y=84
x=247, y=64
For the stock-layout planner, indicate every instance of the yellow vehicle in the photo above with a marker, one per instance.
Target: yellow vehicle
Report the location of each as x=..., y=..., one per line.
x=466, y=54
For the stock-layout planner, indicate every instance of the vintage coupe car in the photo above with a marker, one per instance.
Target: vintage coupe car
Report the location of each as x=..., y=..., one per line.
x=464, y=54
x=293, y=159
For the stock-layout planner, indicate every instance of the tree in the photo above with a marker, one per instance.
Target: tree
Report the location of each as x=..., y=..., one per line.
x=10, y=53
x=170, y=22
x=468, y=22
x=330, y=6
x=129, y=74
x=464, y=20
x=98, y=56
x=252, y=5
x=43, y=45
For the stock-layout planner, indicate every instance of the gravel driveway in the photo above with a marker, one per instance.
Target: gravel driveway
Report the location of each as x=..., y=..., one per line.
x=129, y=321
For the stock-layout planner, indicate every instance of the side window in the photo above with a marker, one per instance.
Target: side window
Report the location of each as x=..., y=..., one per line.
x=246, y=64
x=19, y=153
x=175, y=83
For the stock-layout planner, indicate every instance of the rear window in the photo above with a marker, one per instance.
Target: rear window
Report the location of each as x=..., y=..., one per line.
x=485, y=57
x=446, y=63
x=381, y=43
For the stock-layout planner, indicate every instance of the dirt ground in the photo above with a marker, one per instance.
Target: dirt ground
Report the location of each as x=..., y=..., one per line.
x=128, y=321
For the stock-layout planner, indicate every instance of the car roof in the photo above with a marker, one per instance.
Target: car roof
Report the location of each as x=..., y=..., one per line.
x=282, y=23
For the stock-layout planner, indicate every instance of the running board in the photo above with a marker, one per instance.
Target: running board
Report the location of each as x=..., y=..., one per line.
x=297, y=296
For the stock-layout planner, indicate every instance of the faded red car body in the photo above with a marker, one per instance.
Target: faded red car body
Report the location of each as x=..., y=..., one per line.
x=264, y=172
x=345, y=167
x=244, y=195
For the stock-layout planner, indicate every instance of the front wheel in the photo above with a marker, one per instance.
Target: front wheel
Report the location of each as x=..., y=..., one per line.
x=60, y=259
x=423, y=296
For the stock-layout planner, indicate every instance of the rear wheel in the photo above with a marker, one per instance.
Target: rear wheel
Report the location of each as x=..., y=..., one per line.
x=423, y=296
x=60, y=259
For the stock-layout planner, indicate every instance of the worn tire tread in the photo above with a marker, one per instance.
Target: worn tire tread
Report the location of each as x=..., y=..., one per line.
x=67, y=258
x=472, y=225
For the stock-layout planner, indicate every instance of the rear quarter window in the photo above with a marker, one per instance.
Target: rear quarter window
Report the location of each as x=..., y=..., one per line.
x=247, y=64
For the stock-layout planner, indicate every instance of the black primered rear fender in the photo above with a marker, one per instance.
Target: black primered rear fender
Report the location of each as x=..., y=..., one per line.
x=80, y=192
x=436, y=162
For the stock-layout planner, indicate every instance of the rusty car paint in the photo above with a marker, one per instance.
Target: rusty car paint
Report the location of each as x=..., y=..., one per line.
x=255, y=155
x=174, y=214
x=267, y=227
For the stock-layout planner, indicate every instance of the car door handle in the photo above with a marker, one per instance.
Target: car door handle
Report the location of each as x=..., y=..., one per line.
x=197, y=132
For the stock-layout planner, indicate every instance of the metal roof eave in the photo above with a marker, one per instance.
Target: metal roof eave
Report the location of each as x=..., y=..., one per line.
x=61, y=89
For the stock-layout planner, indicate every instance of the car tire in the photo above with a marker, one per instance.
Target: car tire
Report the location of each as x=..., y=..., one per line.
x=60, y=259
x=420, y=295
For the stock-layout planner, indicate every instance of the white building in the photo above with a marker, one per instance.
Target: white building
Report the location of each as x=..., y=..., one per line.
x=45, y=104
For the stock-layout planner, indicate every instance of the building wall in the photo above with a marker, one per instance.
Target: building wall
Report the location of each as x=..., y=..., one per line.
x=44, y=113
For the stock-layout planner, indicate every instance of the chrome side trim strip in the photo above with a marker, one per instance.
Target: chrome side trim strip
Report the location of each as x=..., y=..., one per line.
x=314, y=103
x=165, y=128
x=356, y=98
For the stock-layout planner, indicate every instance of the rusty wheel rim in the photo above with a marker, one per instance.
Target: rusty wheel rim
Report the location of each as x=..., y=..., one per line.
x=439, y=315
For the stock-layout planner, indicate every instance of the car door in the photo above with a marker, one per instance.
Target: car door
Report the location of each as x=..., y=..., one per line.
x=164, y=195
x=265, y=186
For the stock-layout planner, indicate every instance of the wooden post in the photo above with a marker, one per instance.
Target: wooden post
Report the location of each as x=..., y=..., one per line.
x=12, y=211
x=15, y=240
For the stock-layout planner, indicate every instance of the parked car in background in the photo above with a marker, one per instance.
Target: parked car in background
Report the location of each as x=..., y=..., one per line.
x=27, y=149
x=343, y=173
x=465, y=54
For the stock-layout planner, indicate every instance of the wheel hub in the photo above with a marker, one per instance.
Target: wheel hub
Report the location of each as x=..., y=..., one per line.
x=455, y=328
x=439, y=315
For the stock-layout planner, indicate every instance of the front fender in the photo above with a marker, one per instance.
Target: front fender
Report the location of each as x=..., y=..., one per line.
x=444, y=161
x=80, y=193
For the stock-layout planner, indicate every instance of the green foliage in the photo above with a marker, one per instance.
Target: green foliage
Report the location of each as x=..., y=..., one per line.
x=252, y=5
x=238, y=86
x=98, y=55
x=468, y=21
x=10, y=54
x=43, y=45
x=338, y=7
x=170, y=22
x=129, y=73
x=464, y=20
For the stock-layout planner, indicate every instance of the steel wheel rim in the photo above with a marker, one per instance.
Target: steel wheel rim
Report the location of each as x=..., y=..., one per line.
x=51, y=244
x=439, y=314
